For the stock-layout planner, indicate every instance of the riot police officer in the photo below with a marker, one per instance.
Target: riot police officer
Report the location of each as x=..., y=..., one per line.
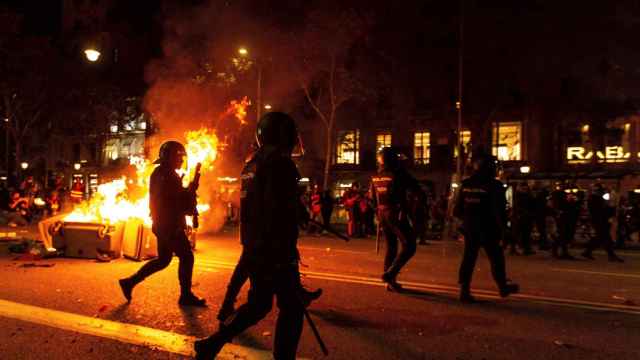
x=169, y=203
x=270, y=212
x=562, y=212
x=601, y=213
x=390, y=188
x=481, y=205
x=523, y=215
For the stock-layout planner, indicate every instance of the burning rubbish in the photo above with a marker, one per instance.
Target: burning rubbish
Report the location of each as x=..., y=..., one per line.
x=116, y=219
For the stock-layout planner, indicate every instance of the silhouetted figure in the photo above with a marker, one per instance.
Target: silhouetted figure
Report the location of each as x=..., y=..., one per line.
x=562, y=215
x=523, y=215
x=351, y=200
x=271, y=211
x=326, y=204
x=315, y=207
x=541, y=211
x=419, y=215
x=169, y=203
x=390, y=187
x=601, y=213
x=481, y=205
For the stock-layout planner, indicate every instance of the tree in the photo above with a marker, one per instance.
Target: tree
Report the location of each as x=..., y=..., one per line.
x=322, y=57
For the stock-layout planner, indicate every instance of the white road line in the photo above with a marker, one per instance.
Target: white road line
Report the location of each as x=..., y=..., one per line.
x=126, y=333
x=635, y=276
x=452, y=290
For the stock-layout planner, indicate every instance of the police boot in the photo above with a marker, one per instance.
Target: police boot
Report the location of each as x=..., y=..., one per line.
x=392, y=284
x=227, y=309
x=190, y=299
x=207, y=349
x=307, y=297
x=614, y=258
x=465, y=295
x=508, y=289
x=126, y=285
x=587, y=255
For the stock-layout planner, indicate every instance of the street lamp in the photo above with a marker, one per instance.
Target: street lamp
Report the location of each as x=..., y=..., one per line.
x=267, y=107
x=92, y=54
x=24, y=165
x=77, y=166
x=243, y=51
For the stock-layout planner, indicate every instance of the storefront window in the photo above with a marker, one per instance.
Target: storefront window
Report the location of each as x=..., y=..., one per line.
x=508, y=146
x=383, y=140
x=617, y=142
x=421, y=147
x=348, y=147
x=465, y=137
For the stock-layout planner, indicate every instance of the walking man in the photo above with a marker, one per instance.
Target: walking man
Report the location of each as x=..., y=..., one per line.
x=270, y=211
x=481, y=205
x=169, y=203
x=390, y=188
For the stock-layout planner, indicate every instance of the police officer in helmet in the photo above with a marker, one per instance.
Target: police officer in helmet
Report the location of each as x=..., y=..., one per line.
x=481, y=205
x=270, y=212
x=390, y=188
x=169, y=203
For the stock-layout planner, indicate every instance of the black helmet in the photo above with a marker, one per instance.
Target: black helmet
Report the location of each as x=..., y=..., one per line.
x=485, y=164
x=168, y=148
x=277, y=129
x=389, y=157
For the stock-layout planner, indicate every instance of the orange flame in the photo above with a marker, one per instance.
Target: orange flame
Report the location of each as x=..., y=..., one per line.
x=239, y=109
x=112, y=203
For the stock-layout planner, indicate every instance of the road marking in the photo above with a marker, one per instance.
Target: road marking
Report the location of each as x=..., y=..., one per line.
x=332, y=250
x=597, y=272
x=452, y=290
x=126, y=333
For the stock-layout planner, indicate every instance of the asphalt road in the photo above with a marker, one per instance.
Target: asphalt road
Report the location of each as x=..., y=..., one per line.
x=567, y=309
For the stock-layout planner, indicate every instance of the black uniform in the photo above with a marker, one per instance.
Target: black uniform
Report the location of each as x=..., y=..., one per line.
x=269, y=212
x=600, y=213
x=523, y=215
x=390, y=189
x=169, y=202
x=562, y=215
x=481, y=205
x=540, y=216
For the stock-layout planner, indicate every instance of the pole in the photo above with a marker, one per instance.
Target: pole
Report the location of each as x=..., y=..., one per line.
x=378, y=239
x=459, y=103
x=316, y=333
x=259, y=95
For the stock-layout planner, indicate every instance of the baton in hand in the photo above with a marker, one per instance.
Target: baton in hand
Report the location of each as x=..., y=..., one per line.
x=329, y=229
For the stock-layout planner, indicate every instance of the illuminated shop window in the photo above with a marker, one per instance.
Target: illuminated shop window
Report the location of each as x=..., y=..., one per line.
x=348, y=147
x=421, y=147
x=383, y=140
x=616, y=141
x=465, y=137
x=509, y=144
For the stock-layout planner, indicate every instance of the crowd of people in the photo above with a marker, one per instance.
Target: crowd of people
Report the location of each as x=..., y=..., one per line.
x=29, y=201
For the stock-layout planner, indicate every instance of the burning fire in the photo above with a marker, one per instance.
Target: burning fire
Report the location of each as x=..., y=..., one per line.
x=114, y=202
x=239, y=109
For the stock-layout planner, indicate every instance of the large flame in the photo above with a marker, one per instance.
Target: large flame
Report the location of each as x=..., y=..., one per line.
x=128, y=198
x=239, y=109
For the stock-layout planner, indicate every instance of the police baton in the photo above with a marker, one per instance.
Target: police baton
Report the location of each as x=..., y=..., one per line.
x=329, y=230
x=315, y=331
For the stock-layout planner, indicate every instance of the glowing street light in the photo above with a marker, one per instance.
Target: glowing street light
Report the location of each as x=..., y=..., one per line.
x=92, y=54
x=77, y=166
x=24, y=165
x=243, y=51
x=267, y=107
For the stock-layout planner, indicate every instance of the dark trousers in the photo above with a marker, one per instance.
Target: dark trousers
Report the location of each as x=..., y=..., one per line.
x=265, y=283
x=565, y=235
x=602, y=238
x=170, y=242
x=473, y=241
x=523, y=231
x=238, y=279
x=326, y=217
x=541, y=226
x=397, y=231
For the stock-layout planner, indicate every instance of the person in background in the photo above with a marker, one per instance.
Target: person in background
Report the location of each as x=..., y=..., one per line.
x=541, y=211
x=326, y=207
x=523, y=214
x=560, y=209
x=18, y=214
x=601, y=213
x=419, y=215
x=351, y=199
x=315, y=208
x=52, y=203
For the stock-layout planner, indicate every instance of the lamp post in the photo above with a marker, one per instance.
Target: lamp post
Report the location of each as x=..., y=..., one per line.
x=243, y=51
x=92, y=54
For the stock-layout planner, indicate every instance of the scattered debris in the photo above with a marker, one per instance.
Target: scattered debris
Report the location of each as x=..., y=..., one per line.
x=31, y=265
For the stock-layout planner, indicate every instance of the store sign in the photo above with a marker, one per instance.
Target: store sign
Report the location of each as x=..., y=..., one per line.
x=578, y=154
